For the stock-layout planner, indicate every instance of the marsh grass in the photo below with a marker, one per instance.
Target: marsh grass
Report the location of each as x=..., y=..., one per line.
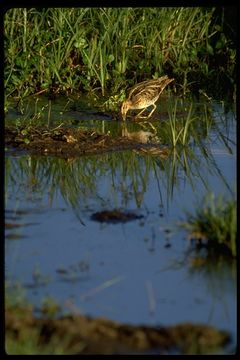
x=214, y=222
x=178, y=128
x=64, y=50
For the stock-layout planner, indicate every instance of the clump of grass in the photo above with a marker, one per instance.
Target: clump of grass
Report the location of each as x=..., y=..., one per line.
x=215, y=224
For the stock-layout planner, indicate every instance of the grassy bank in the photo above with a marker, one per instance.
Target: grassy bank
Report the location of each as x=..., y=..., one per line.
x=63, y=50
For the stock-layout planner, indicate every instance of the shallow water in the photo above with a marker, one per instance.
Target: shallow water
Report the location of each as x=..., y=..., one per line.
x=138, y=272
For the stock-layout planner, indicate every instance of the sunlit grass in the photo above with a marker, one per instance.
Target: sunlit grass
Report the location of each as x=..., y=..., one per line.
x=64, y=50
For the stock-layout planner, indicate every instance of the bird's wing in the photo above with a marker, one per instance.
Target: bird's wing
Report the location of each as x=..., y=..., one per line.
x=147, y=83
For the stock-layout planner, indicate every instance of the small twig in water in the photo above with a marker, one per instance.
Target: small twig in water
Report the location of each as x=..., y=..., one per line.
x=101, y=287
x=151, y=297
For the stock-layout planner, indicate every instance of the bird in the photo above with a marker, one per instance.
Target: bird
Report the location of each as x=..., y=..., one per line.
x=143, y=95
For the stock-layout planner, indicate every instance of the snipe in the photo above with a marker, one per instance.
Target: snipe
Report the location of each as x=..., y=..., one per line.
x=143, y=95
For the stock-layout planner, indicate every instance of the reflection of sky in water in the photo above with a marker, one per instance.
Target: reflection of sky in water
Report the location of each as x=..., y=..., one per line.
x=148, y=274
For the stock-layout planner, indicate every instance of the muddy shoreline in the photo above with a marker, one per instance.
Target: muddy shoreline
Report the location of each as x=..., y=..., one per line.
x=70, y=142
x=80, y=334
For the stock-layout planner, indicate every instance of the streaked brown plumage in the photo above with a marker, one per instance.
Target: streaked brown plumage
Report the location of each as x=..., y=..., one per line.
x=143, y=95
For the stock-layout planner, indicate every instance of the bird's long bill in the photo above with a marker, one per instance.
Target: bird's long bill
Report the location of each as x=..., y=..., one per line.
x=124, y=110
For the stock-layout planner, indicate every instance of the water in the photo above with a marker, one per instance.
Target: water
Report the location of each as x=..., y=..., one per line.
x=138, y=272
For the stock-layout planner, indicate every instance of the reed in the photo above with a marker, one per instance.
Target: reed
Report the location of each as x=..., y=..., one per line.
x=178, y=130
x=65, y=50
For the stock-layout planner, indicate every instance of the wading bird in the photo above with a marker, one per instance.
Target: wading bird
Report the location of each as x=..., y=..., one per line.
x=143, y=95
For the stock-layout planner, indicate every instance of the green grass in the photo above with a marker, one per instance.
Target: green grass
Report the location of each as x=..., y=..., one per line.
x=179, y=129
x=214, y=222
x=64, y=50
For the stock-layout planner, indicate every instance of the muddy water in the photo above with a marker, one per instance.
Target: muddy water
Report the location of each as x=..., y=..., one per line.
x=140, y=271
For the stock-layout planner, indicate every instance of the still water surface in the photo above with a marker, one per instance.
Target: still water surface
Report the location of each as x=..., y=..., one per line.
x=138, y=272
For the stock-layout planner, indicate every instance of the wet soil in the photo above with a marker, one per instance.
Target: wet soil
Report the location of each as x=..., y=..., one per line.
x=83, y=335
x=71, y=142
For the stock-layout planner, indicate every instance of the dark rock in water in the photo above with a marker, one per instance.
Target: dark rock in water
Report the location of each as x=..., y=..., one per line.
x=115, y=216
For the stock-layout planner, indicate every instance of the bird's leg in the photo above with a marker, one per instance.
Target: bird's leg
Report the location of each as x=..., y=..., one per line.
x=138, y=115
x=151, y=125
x=146, y=117
x=154, y=108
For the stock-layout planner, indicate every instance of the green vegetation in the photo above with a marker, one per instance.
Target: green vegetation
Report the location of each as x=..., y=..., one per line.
x=216, y=224
x=63, y=50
